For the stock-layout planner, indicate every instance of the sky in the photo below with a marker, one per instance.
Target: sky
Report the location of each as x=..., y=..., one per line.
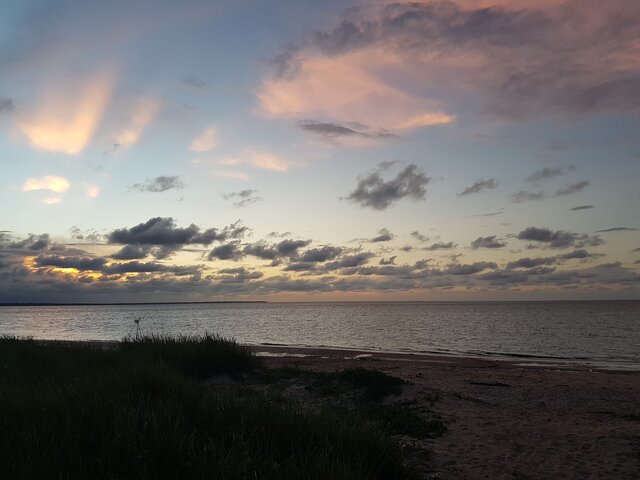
x=319, y=151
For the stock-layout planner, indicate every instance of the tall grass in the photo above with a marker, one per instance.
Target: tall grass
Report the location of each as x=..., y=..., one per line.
x=199, y=356
x=137, y=412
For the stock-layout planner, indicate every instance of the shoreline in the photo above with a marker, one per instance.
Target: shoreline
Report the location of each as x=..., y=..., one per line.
x=515, y=360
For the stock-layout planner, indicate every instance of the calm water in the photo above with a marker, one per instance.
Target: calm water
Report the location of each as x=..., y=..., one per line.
x=595, y=331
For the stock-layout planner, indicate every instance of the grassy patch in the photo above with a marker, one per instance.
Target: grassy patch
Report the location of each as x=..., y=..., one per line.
x=136, y=412
x=365, y=384
x=403, y=419
x=196, y=356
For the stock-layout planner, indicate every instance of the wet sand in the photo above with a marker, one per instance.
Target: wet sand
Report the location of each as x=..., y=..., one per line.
x=510, y=421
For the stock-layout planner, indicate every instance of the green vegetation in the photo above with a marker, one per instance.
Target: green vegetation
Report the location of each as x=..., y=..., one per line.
x=137, y=411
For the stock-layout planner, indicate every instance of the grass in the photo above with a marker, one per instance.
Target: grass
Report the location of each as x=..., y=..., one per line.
x=138, y=411
x=360, y=391
x=197, y=356
x=365, y=385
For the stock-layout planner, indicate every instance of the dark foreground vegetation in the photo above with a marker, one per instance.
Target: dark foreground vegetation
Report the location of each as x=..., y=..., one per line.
x=144, y=409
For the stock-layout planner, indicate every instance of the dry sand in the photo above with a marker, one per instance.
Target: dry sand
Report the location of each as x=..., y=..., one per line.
x=529, y=422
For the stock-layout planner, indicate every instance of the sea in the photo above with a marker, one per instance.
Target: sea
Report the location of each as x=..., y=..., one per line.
x=600, y=333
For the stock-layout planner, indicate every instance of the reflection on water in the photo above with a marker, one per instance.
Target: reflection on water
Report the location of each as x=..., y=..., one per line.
x=575, y=330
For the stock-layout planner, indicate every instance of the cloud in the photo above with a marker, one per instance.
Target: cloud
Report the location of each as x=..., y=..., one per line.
x=196, y=82
x=545, y=174
x=479, y=186
x=322, y=254
x=420, y=237
x=50, y=182
x=6, y=105
x=617, y=229
x=514, y=60
x=91, y=190
x=559, y=238
x=348, y=88
x=528, y=263
x=257, y=159
x=160, y=237
x=469, y=269
x=67, y=113
x=440, y=246
x=334, y=131
x=350, y=261
x=243, y=198
x=287, y=248
x=227, y=251
x=34, y=269
x=159, y=184
x=233, y=174
x=373, y=191
x=32, y=242
x=205, y=142
x=388, y=261
x=143, y=113
x=488, y=242
x=573, y=188
x=582, y=207
x=384, y=235
x=526, y=196
x=100, y=264
x=490, y=214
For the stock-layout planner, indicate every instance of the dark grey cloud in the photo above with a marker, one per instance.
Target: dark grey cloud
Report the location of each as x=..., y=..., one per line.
x=420, y=237
x=580, y=254
x=331, y=130
x=388, y=261
x=226, y=251
x=488, y=242
x=349, y=261
x=100, y=264
x=636, y=250
x=531, y=262
x=526, y=196
x=528, y=263
x=490, y=214
x=373, y=191
x=573, y=188
x=479, y=186
x=545, y=174
x=582, y=207
x=243, y=198
x=160, y=237
x=79, y=263
x=321, y=254
x=32, y=242
x=384, y=235
x=287, y=248
x=159, y=184
x=132, y=252
x=196, y=82
x=440, y=246
x=617, y=229
x=469, y=269
x=6, y=105
x=559, y=238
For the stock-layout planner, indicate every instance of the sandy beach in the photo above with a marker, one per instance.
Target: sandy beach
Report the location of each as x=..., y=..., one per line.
x=509, y=421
